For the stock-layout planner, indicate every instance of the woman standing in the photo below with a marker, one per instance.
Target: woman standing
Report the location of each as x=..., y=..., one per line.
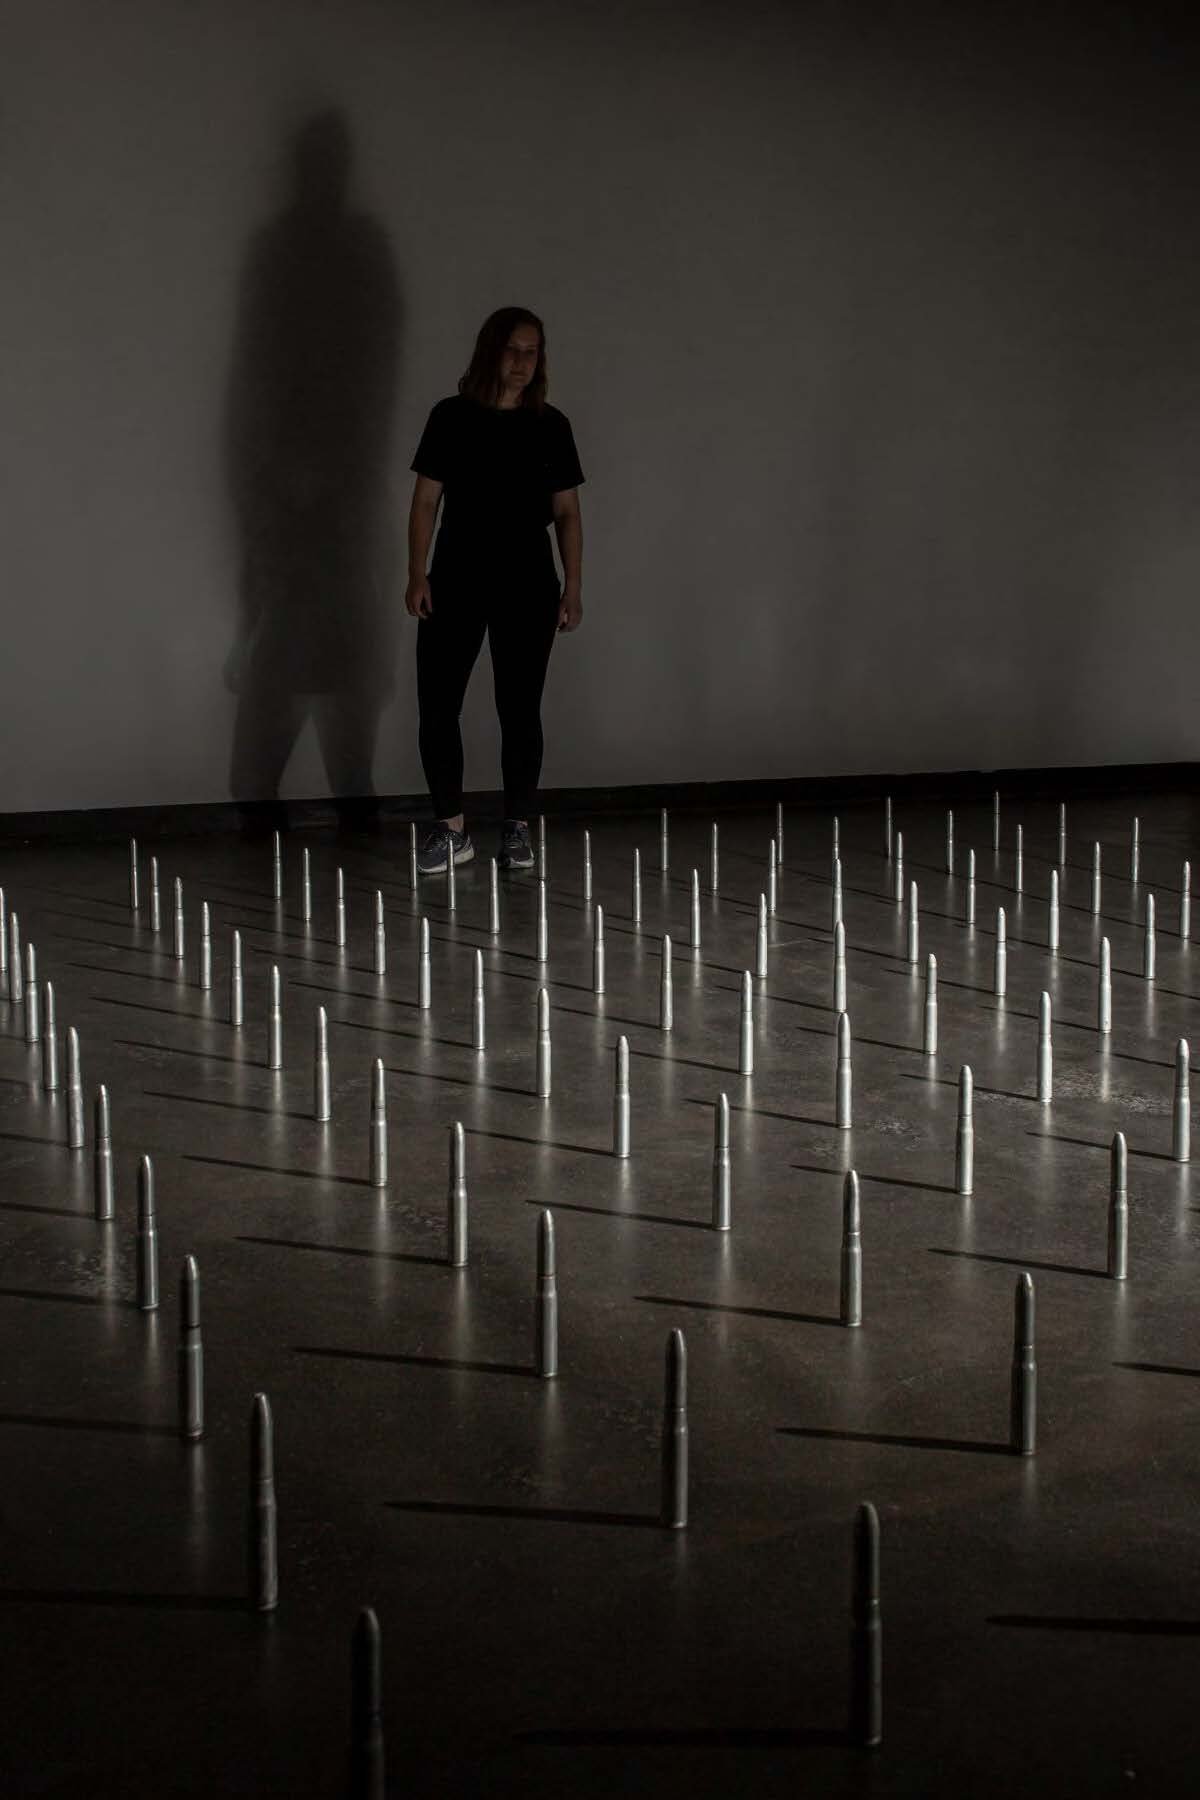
x=504, y=461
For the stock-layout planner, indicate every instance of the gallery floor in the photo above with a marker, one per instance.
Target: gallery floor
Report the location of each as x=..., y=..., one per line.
x=543, y=1634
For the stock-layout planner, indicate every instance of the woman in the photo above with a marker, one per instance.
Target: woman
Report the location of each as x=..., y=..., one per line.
x=506, y=464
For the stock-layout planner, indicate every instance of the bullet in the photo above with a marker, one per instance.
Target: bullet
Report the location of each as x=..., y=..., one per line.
x=887, y=826
x=695, y=936
x=134, y=901
x=478, y=1017
x=542, y=868
x=236, y=1002
x=746, y=1031
x=1104, y=995
x=850, y=1310
x=714, y=859
x=866, y=1633
x=456, y=1205
x=16, y=981
x=543, y=946
x=378, y=1133
x=339, y=909
x=996, y=820
x=276, y=867
x=1118, y=1209
x=587, y=868
x=1023, y=1407
x=305, y=887
x=191, y=1354
x=413, y=872
x=155, y=905
x=779, y=829
x=637, y=887
x=760, y=940
x=322, y=1110
x=451, y=884
x=964, y=1137
x=1019, y=863
x=3, y=946
x=666, y=995
x=1134, y=838
x=772, y=879
x=664, y=846
x=970, y=895
x=837, y=837
x=49, y=1041
x=75, y=1132
x=843, y=1075
x=930, y=1041
x=1096, y=874
x=898, y=870
x=1148, y=941
x=621, y=1099
x=1000, y=974
x=263, y=1558
x=675, y=1436
x=949, y=843
x=836, y=897
x=1045, y=1059
x=1052, y=928
x=380, y=936
x=914, y=925
x=275, y=1021
x=1062, y=834
x=1185, y=903
x=368, y=1776
x=147, y=1239
x=205, y=975
x=1181, y=1112
x=839, y=967
x=598, y=951
x=545, y=1310
x=494, y=898
x=102, y=1160
x=177, y=922
x=424, y=970
x=721, y=1171
x=33, y=998
x=542, y=1088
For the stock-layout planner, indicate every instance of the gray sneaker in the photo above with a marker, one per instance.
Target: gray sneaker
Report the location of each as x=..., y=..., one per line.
x=516, y=851
x=434, y=853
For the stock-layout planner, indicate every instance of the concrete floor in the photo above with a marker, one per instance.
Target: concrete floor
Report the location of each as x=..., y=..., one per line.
x=542, y=1634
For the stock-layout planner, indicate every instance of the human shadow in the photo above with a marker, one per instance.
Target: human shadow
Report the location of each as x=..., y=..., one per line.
x=423, y=1362
x=749, y=1312
x=1022, y=1262
x=404, y=1256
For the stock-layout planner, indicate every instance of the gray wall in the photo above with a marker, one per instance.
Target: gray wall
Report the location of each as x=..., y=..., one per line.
x=879, y=341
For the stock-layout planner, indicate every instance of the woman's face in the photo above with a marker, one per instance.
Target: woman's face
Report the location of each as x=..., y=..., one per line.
x=519, y=359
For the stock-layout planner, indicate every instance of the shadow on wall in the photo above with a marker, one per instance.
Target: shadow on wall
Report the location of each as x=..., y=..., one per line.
x=307, y=441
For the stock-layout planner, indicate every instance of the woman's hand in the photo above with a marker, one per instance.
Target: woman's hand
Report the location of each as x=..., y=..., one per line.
x=570, y=610
x=418, y=599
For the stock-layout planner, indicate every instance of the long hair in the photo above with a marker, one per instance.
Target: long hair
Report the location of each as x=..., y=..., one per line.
x=482, y=381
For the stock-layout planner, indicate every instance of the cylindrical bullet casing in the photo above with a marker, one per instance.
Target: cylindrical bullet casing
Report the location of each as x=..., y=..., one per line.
x=1096, y=879
x=587, y=868
x=1118, y=1209
x=378, y=1127
x=666, y=995
x=695, y=909
x=1062, y=833
x=839, y=967
x=842, y=1079
x=836, y=898
x=898, y=869
x=147, y=1239
x=264, y=1560
x=322, y=1110
x=1185, y=903
x=1052, y=930
x=598, y=951
x=413, y=871
x=424, y=970
x=191, y=1354
x=995, y=820
x=637, y=887
x=779, y=829
x=134, y=900
x=1023, y=1407
x=49, y=1041
x=721, y=1176
x=478, y=1019
x=456, y=1205
x=664, y=845
x=339, y=909
x=746, y=1027
x=102, y=1160
x=305, y=887
x=913, y=925
x=1181, y=1113
x=929, y=1042
x=3, y=946
x=1019, y=862
x=543, y=929
x=155, y=904
x=1104, y=996
x=760, y=940
x=969, y=902
x=949, y=843
x=851, y=1294
x=772, y=879
x=1000, y=977
x=866, y=1633
x=205, y=947
x=546, y=1300
x=277, y=867
x=714, y=859
x=837, y=837
x=542, y=866
x=380, y=936
x=368, y=1777
x=1148, y=942
x=887, y=825
x=275, y=1022
x=16, y=979
x=33, y=998
x=621, y=1099
x=178, y=941
x=236, y=1002
x=1045, y=1060
x=451, y=882
x=543, y=1044
x=1134, y=850
x=75, y=1130
x=675, y=1436
x=964, y=1137
x=494, y=898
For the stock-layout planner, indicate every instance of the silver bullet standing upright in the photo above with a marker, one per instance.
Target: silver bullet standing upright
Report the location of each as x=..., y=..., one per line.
x=236, y=1000
x=1023, y=1403
x=836, y=896
x=621, y=1099
x=102, y=1159
x=33, y=998
x=1181, y=1111
x=191, y=1354
x=478, y=1017
x=837, y=836
x=949, y=842
x=205, y=947
x=543, y=1044
x=695, y=909
x=964, y=1137
x=914, y=926
x=75, y=1130
x=380, y=936
x=843, y=1076
x=275, y=1021
x=839, y=967
x=866, y=1633
x=1104, y=992
x=177, y=922
x=49, y=1041
x=1062, y=833
x=368, y=1762
x=675, y=1436
x=746, y=1031
x=322, y=1109
x=1118, y=1208
x=1045, y=1054
x=494, y=898
x=1000, y=969
x=424, y=970
x=339, y=909
x=1096, y=872
x=1134, y=850
x=587, y=868
x=456, y=1199
x=637, y=887
x=760, y=940
x=16, y=981
x=898, y=870
x=134, y=898
x=155, y=901
x=664, y=842
x=1148, y=941
x=378, y=1126
x=1052, y=922
x=262, y=1521
x=714, y=859
x=276, y=867
x=850, y=1308
x=970, y=895
x=1185, y=903
x=413, y=872
x=996, y=819
x=542, y=869
x=772, y=879
x=666, y=995
x=3, y=946
x=930, y=1041
x=722, y=1209
x=545, y=1305
x=779, y=829
x=305, y=887
x=147, y=1239
x=451, y=882
x=887, y=825
x=543, y=928
x=1019, y=862
x=598, y=951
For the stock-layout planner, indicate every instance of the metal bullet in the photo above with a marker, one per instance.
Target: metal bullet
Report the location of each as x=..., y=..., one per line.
x=478, y=1015
x=205, y=947
x=413, y=872
x=368, y=1777
x=542, y=869
x=887, y=825
x=1019, y=863
x=275, y=1021
x=102, y=1159
x=49, y=1041
x=1181, y=1111
x=494, y=898
x=177, y=922
x=598, y=951
x=866, y=1633
x=850, y=1308
x=378, y=1157
x=746, y=1031
x=1023, y=1406
x=1045, y=1055
x=545, y=1306
x=75, y=1131
x=147, y=1239
x=930, y=1041
x=695, y=935
x=33, y=998
x=721, y=1170
x=587, y=867
x=666, y=996
x=772, y=879
x=1118, y=1208
x=1148, y=941
x=1134, y=850
x=155, y=903
x=1052, y=926
x=914, y=925
x=134, y=899
x=191, y=1354
x=543, y=929
x=949, y=842
x=16, y=980
x=380, y=936
x=1096, y=874
x=424, y=970
x=760, y=940
x=236, y=1000
x=1000, y=969
x=339, y=909
x=664, y=845
x=839, y=967
x=1185, y=903
x=3, y=946
x=305, y=887
x=322, y=1110
x=1062, y=833
x=451, y=883
x=843, y=1075
x=542, y=1088
x=970, y=895
x=898, y=870
x=456, y=1204
x=675, y=1436
x=996, y=820
x=714, y=860
x=1104, y=995
x=262, y=1522
x=621, y=1099
x=964, y=1137
x=779, y=829
x=637, y=887
x=276, y=867
x=836, y=895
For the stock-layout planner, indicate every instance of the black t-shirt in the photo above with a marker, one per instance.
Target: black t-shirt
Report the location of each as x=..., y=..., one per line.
x=498, y=467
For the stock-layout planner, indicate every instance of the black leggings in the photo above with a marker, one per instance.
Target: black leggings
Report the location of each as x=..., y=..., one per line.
x=519, y=613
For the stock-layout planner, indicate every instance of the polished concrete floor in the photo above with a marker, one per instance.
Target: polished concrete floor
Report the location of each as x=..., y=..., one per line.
x=542, y=1635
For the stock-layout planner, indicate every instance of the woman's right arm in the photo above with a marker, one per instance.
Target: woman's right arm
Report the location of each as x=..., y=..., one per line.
x=427, y=496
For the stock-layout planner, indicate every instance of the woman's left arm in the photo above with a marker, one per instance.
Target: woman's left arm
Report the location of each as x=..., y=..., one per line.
x=568, y=528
